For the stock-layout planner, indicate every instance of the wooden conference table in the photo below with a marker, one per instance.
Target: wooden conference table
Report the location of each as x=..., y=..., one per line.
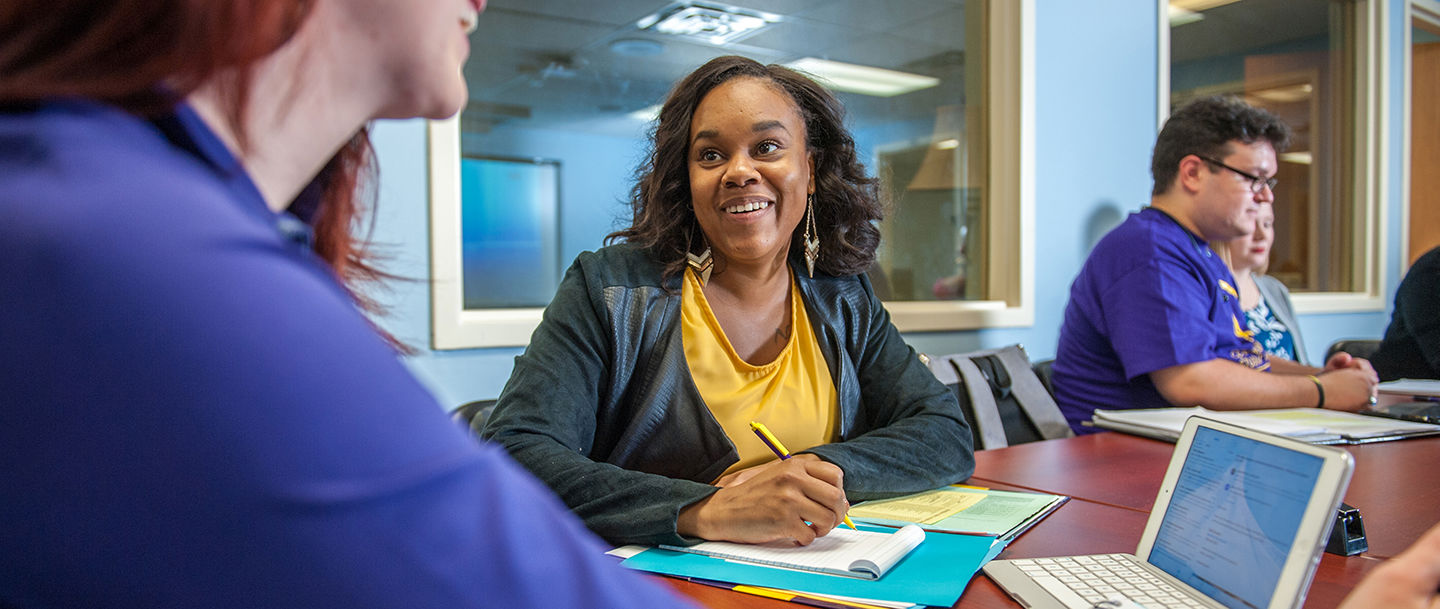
x=1112, y=479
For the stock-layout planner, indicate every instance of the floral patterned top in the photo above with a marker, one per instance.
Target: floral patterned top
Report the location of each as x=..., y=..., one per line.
x=1269, y=332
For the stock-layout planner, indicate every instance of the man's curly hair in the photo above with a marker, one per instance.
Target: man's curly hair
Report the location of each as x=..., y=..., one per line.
x=1205, y=127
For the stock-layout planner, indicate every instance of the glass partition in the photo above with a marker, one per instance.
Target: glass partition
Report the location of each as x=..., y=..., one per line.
x=1302, y=60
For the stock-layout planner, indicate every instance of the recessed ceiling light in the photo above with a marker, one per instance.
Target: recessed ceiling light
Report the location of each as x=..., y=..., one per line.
x=864, y=80
x=708, y=22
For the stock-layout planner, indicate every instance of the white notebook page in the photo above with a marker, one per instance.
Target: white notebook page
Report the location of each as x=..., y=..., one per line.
x=864, y=554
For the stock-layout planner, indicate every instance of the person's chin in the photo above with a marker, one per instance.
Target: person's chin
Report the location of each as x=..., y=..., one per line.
x=433, y=107
x=450, y=103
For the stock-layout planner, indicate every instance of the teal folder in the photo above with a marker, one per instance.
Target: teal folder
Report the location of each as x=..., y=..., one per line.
x=935, y=573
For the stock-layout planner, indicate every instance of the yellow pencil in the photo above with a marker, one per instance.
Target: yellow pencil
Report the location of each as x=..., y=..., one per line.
x=776, y=447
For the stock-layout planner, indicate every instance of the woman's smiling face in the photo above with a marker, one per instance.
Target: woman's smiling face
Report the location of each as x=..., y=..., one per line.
x=750, y=170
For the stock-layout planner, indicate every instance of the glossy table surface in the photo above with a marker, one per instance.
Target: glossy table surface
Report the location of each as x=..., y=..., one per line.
x=1396, y=485
x=1112, y=479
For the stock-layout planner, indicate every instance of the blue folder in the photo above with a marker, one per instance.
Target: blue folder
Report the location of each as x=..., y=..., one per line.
x=935, y=573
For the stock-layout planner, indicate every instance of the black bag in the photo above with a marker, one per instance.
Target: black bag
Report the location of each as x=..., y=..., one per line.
x=1004, y=401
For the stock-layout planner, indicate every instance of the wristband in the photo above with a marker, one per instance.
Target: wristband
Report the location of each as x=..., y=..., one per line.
x=1320, y=388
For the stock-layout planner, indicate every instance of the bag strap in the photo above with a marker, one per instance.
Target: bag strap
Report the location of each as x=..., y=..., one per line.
x=1034, y=399
x=988, y=426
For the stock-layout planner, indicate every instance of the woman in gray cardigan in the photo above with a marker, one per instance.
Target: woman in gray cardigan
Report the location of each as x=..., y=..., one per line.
x=737, y=294
x=1266, y=302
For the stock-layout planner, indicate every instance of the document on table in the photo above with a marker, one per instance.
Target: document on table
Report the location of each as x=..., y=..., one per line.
x=863, y=554
x=962, y=510
x=1412, y=387
x=928, y=507
x=1314, y=425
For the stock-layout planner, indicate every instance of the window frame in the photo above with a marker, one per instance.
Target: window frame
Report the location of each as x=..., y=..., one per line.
x=1010, y=229
x=1372, y=136
x=1009, y=37
x=452, y=326
x=1415, y=10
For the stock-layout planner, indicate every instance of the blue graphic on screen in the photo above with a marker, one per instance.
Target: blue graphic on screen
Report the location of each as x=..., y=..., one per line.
x=508, y=231
x=1233, y=517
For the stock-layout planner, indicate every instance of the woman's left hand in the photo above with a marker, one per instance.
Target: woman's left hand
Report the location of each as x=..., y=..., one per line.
x=739, y=477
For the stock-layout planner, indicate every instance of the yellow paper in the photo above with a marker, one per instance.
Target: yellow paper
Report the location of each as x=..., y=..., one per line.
x=926, y=508
x=790, y=595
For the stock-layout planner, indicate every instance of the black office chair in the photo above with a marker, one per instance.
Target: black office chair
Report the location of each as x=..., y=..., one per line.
x=473, y=414
x=1359, y=347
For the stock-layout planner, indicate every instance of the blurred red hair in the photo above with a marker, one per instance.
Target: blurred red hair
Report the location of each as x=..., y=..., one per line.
x=146, y=56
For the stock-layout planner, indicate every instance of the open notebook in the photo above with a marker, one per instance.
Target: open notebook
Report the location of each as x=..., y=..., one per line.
x=862, y=554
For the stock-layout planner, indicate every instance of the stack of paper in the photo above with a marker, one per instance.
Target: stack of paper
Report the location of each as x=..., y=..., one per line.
x=1313, y=425
x=1429, y=388
x=963, y=509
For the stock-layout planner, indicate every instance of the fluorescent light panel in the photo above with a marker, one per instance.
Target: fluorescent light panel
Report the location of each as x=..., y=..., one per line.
x=1188, y=11
x=1179, y=16
x=646, y=114
x=1199, y=5
x=1301, y=158
x=865, y=80
x=1283, y=95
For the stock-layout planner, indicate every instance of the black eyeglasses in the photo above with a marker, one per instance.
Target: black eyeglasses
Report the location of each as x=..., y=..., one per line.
x=1256, y=182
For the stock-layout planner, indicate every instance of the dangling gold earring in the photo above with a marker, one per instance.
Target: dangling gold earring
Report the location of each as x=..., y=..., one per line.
x=812, y=238
x=703, y=264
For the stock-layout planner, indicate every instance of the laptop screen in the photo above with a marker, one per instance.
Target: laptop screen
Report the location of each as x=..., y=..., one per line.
x=1233, y=517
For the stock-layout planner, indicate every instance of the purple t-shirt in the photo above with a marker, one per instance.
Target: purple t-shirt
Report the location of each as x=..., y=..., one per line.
x=194, y=414
x=1151, y=295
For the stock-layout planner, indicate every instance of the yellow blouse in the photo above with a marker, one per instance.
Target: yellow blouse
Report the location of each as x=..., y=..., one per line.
x=794, y=395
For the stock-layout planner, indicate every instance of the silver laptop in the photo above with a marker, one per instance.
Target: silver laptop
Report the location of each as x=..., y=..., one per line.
x=1240, y=522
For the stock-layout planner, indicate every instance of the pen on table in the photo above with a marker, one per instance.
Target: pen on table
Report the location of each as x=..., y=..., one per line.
x=776, y=447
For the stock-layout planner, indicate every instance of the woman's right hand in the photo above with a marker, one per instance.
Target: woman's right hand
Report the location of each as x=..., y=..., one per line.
x=773, y=503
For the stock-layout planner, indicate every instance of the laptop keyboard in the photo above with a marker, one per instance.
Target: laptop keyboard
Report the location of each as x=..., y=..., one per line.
x=1082, y=581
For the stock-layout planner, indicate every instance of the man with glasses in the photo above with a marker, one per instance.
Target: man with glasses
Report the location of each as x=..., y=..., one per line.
x=1154, y=317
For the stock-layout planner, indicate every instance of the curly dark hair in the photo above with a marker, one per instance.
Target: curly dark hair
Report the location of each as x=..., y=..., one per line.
x=1205, y=127
x=847, y=202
